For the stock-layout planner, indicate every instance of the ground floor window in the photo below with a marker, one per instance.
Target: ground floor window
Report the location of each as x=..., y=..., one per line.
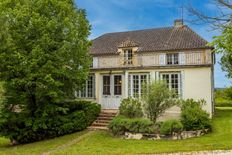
x=88, y=90
x=117, y=85
x=173, y=81
x=136, y=82
x=106, y=85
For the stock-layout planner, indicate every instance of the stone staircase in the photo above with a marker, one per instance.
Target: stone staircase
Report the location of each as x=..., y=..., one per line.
x=102, y=121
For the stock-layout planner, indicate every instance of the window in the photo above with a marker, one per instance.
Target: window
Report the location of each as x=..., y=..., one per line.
x=117, y=85
x=136, y=83
x=106, y=85
x=173, y=59
x=172, y=80
x=88, y=90
x=128, y=55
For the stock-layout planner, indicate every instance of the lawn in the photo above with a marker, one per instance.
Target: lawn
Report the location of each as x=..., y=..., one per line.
x=100, y=142
x=37, y=147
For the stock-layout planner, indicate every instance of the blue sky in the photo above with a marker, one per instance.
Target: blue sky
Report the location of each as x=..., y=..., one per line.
x=123, y=15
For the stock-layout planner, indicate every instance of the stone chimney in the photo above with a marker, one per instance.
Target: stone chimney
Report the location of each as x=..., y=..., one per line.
x=178, y=23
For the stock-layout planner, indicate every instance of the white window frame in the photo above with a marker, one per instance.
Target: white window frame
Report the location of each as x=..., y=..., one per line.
x=126, y=59
x=174, y=57
x=170, y=81
x=131, y=84
x=85, y=94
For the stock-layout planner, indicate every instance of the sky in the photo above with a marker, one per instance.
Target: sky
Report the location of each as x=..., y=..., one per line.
x=123, y=15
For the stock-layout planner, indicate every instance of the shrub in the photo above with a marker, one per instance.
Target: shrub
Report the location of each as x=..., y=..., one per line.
x=192, y=115
x=131, y=108
x=120, y=124
x=221, y=102
x=170, y=126
x=157, y=98
x=23, y=129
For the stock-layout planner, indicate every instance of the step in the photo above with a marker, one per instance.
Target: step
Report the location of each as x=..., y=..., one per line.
x=104, y=118
x=99, y=124
x=106, y=115
x=109, y=111
x=97, y=128
x=102, y=121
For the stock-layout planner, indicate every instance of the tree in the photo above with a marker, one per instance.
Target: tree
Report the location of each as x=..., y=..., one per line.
x=222, y=12
x=223, y=22
x=157, y=98
x=44, y=58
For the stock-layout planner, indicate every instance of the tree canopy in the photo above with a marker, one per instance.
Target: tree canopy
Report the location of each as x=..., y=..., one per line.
x=44, y=58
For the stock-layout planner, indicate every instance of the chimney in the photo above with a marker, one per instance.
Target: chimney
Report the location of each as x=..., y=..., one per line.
x=178, y=23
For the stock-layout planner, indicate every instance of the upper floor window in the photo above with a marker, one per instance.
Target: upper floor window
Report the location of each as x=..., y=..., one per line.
x=128, y=55
x=172, y=59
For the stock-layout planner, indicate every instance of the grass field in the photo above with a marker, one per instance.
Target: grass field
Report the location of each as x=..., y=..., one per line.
x=100, y=142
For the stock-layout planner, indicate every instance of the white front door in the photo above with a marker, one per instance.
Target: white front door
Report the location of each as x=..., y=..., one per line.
x=111, y=91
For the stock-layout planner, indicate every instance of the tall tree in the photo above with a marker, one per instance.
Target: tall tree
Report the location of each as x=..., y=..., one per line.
x=44, y=58
x=222, y=21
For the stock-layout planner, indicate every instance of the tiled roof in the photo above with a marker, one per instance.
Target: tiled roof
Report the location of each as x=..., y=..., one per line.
x=159, y=39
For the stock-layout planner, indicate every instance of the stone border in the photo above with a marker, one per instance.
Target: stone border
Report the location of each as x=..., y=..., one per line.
x=174, y=136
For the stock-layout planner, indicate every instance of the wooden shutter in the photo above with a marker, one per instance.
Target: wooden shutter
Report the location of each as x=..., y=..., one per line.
x=162, y=59
x=181, y=58
x=95, y=62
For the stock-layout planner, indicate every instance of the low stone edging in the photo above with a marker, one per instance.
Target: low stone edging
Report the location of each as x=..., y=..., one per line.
x=174, y=136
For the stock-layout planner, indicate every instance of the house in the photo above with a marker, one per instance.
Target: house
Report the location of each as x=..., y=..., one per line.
x=122, y=61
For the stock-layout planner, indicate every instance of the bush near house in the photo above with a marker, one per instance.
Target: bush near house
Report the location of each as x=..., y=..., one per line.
x=193, y=117
x=120, y=124
x=170, y=126
x=23, y=129
x=131, y=108
x=157, y=98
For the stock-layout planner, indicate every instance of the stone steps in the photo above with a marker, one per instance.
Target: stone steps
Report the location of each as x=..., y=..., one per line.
x=103, y=120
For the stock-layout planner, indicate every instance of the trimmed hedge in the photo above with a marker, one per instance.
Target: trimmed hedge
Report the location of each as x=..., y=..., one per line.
x=131, y=108
x=170, y=126
x=120, y=124
x=77, y=116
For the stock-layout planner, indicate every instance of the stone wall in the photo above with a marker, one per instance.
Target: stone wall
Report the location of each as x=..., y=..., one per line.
x=174, y=136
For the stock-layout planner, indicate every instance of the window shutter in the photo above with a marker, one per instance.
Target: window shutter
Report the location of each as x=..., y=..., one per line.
x=182, y=58
x=95, y=62
x=162, y=60
x=182, y=84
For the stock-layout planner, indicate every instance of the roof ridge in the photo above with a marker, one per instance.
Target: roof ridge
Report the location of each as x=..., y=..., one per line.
x=169, y=27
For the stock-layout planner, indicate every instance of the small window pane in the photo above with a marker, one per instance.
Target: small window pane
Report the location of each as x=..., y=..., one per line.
x=106, y=85
x=117, y=85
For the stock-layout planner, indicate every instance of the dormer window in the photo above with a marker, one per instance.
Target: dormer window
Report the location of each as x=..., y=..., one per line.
x=172, y=59
x=128, y=55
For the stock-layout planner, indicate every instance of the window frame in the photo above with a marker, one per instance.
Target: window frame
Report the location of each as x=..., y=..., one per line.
x=107, y=85
x=172, y=59
x=128, y=56
x=140, y=78
x=88, y=90
x=176, y=86
x=117, y=86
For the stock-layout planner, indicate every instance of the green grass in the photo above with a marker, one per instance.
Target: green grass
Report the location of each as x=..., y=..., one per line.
x=100, y=142
x=103, y=143
x=37, y=147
